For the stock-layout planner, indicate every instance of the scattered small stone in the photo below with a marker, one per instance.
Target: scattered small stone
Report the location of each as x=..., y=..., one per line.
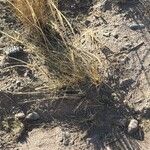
x=107, y=34
x=18, y=83
x=66, y=134
x=13, y=51
x=20, y=115
x=106, y=51
x=115, y=97
x=61, y=140
x=128, y=45
x=116, y=36
x=88, y=141
x=133, y=126
x=126, y=83
x=66, y=142
x=136, y=26
x=87, y=22
x=72, y=142
x=113, y=94
x=32, y=116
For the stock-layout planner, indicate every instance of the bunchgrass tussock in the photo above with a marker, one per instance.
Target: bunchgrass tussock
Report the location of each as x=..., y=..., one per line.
x=65, y=58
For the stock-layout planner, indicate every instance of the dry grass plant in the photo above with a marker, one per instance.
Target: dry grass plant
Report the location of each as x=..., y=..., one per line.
x=65, y=62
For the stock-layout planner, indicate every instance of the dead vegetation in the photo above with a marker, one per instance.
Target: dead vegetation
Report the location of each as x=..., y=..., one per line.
x=65, y=57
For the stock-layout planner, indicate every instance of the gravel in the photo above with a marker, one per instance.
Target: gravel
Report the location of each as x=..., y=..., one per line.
x=32, y=116
x=133, y=126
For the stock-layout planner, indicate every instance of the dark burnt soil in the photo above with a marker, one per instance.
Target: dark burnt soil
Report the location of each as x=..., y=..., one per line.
x=86, y=117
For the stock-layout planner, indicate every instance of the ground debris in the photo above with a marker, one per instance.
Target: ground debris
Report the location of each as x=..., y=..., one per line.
x=32, y=116
x=133, y=126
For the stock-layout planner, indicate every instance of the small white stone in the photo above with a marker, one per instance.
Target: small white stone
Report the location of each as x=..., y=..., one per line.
x=107, y=34
x=133, y=126
x=136, y=26
x=20, y=115
x=33, y=116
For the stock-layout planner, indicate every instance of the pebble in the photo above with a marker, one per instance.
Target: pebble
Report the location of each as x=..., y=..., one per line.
x=66, y=134
x=126, y=46
x=133, y=126
x=66, y=142
x=136, y=26
x=20, y=115
x=116, y=36
x=18, y=83
x=12, y=51
x=88, y=141
x=72, y=142
x=126, y=83
x=106, y=34
x=32, y=116
x=87, y=22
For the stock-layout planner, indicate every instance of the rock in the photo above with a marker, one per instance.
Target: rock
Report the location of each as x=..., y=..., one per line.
x=66, y=134
x=126, y=46
x=107, y=34
x=126, y=83
x=87, y=22
x=72, y=142
x=106, y=51
x=18, y=83
x=115, y=97
x=88, y=141
x=136, y=26
x=116, y=36
x=20, y=115
x=66, y=142
x=32, y=116
x=13, y=51
x=133, y=126
x=29, y=73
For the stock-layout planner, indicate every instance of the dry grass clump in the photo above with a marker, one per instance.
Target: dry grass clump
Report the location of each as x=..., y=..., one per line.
x=30, y=11
x=66, y=59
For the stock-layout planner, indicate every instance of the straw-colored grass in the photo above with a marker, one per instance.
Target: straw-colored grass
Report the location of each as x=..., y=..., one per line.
x=67, y=61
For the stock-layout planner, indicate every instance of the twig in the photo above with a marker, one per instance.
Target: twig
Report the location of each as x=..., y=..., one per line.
x=130, y=50
x=75, y=97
